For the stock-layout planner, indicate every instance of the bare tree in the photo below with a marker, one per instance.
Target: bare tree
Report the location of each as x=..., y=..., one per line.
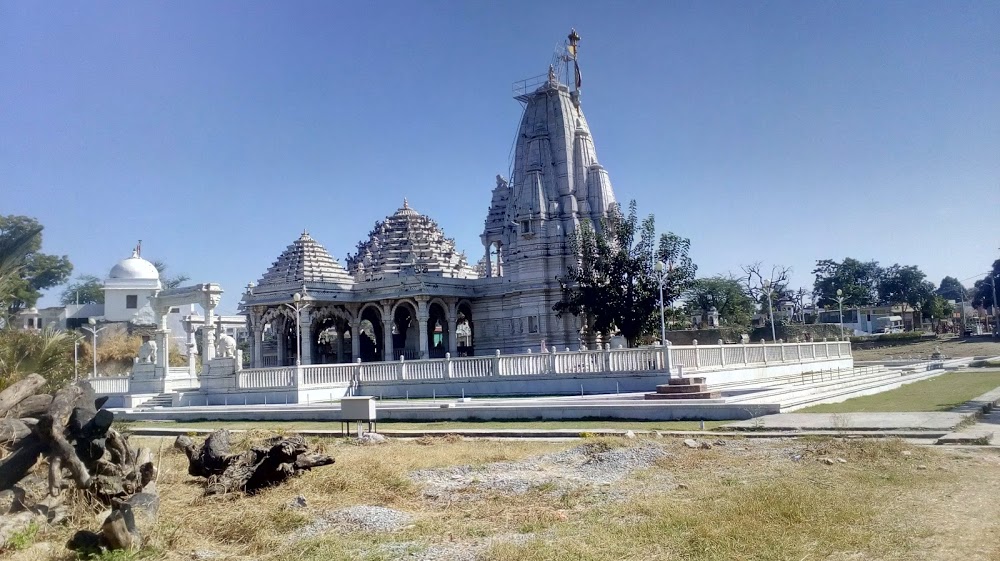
x=757, y=284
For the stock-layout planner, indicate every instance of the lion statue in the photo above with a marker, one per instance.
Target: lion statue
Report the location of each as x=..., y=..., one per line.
x=147, y=352
x=225, y=346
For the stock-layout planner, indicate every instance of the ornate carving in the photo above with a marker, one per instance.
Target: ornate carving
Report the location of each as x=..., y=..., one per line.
x=225, y=346
x=147, y=352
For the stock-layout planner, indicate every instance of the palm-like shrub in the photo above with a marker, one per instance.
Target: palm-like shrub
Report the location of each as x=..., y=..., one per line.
x=46, y=352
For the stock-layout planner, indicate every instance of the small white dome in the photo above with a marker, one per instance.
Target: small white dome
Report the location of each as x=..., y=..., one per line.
x=134, y=267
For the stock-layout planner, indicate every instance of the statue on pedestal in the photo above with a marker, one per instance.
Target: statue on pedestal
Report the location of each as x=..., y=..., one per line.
x=147, y=352
x=225, y=346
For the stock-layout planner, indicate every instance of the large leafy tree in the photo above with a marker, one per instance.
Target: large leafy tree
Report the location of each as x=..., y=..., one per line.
x=614, y=284
x=24, y=270
x=858, y=280
x=86, y=289
x=726, y=295
x=952, y=289
x=983, y=289
x=904, y=285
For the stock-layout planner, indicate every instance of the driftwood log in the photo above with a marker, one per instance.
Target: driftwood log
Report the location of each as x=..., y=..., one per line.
x=72, y=431
x=265, y=465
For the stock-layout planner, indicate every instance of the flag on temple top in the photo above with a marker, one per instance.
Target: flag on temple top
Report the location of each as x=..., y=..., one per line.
x=572, y=51
x=579, y=78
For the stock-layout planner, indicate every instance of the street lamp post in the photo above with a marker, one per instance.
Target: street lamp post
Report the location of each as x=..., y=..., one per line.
x=770, y=310
x=840, y=303
x=661, y=277
x=94, y=330
x=297, y=306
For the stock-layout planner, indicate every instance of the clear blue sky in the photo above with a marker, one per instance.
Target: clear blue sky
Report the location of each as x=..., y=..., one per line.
x=778, y=131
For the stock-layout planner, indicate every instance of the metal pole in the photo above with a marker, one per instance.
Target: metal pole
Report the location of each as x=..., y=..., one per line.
x=840, y=302
x=663, y=323
x=76, y=358
x=93, y=351
x=298, y=337
x=996, y=316
x=770, y=312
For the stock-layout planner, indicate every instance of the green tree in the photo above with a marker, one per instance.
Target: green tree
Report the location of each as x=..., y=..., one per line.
x=983, y=289
x=169, y=282
x=952, y=289
x=86, y=289
x=904, y=286
x=936, y=307
x=29, y=271
x=614, y=284
x=858, y=280
x=726, y=295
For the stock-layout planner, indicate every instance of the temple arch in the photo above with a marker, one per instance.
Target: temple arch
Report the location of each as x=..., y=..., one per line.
x=465, y=332
x=405, y=331
x=370, y=334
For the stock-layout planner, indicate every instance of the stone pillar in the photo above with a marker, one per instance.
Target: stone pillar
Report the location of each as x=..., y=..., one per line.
x=489, y=264
x=356, y=340
x=423, y=316
x=305, y=339
x=387, y=353
x=258, y=346
x=208, y=330
x=282, y=340
x=453, y=335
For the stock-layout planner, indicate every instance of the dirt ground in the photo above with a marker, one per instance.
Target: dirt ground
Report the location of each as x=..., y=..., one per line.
x=950, y=346
x=449, y=499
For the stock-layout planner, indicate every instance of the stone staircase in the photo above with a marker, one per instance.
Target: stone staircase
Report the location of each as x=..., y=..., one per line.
x=684, y=388
x=161, y=400
x=831, y=386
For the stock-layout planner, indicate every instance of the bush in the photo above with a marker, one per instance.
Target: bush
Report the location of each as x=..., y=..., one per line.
x=907, y=336
x=48, y=353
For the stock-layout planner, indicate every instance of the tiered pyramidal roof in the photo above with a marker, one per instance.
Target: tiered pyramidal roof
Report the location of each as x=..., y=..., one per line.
x=305, y=261
x=407, y=242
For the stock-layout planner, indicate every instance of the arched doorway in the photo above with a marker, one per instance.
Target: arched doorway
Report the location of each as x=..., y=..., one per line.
x=331, y=340
x=370, y=336
x=438, y=337
x=405, y=332
x=464, y=330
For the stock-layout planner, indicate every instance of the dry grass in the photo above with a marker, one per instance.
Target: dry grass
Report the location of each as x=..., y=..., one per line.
x=747, y=500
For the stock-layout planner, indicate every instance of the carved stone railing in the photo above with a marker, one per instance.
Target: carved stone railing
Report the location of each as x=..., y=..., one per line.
x=693, y=358
x=110, y=384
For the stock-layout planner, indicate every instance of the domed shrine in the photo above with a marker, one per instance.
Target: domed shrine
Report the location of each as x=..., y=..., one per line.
x=408, y=292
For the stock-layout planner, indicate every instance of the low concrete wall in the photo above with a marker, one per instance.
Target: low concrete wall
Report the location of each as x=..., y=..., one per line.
x=634, y=410
x=580, y=384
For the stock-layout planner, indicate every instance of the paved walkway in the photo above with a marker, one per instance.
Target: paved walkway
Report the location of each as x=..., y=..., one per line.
x=853, y=422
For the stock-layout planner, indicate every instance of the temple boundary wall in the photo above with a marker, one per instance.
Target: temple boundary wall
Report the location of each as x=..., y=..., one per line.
x=531, y=374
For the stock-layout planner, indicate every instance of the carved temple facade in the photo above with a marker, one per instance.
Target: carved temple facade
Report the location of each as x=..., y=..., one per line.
x=408, y=293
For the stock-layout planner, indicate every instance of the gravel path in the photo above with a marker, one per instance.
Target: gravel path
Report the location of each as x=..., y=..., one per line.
x=356, y=518
x=588, y=464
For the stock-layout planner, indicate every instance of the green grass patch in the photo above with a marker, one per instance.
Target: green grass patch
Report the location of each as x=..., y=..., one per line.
x=942, y=393
x=436, y=425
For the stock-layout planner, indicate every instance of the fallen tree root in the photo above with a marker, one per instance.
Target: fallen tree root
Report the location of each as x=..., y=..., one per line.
x=265, y=465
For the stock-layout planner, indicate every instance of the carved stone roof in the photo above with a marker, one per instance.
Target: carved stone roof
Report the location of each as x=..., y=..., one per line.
x=408, y=242
x=305, y=261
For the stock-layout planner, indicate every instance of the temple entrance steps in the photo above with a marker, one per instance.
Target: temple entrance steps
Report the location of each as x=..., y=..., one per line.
x=684, y=388
x=161, y=400
x=827, y=387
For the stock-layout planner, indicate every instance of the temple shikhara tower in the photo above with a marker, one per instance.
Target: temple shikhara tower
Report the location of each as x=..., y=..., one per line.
x=408, y=292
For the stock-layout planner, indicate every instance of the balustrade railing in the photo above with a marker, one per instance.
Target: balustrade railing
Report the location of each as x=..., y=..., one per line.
x=694, y=358
x=266, y=378
x=109, y=384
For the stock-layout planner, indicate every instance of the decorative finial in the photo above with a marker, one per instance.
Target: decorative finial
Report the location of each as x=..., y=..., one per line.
x=305, y=233
x=406, y=204
x=574, y=39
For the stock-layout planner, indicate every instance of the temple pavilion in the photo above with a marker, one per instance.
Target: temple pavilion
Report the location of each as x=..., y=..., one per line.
x=408, y=293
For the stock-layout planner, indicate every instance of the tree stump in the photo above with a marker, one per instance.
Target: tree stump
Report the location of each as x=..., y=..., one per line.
x=72, y=430
x=268, y=464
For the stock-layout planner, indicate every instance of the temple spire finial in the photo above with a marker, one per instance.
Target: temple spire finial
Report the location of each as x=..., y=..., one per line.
x=406, y=204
